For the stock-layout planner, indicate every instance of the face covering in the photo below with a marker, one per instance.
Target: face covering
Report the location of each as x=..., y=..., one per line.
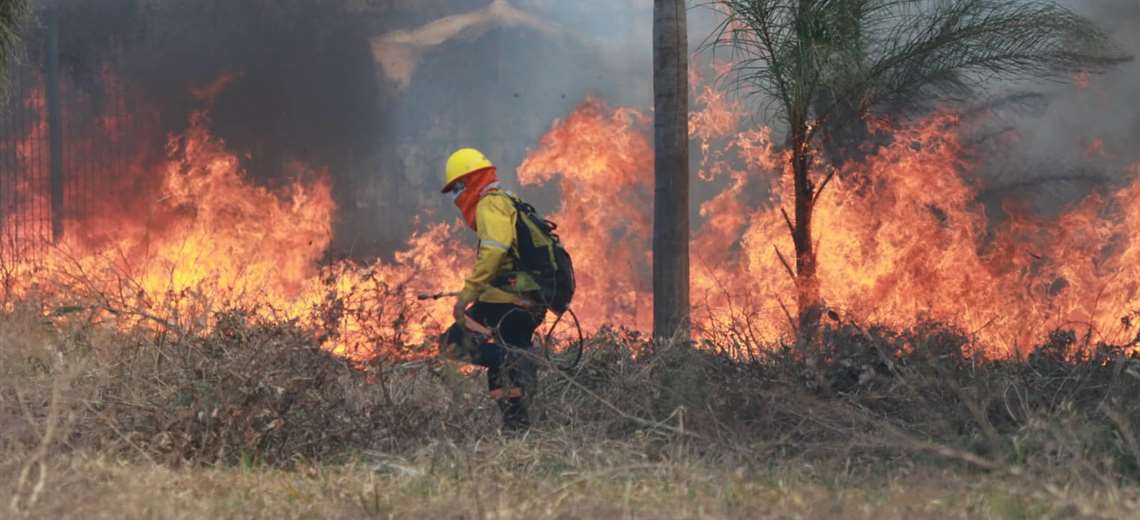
x=474, y=185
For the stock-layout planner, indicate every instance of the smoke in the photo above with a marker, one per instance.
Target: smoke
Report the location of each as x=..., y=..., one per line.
x=495, y=75
x=375, y=92
x=299, y=89
x=1085, y=139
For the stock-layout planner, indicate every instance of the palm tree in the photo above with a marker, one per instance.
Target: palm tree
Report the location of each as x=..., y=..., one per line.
x=11, y=15
x=821, y=64
x=671, y=170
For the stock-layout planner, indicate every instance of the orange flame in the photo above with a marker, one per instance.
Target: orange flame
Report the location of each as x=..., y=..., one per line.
x=901, y=234
x=901, y=237
x=604, y=164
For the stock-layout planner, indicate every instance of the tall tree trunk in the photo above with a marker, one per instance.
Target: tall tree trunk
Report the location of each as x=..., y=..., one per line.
x=808, y=298
x=671, y=170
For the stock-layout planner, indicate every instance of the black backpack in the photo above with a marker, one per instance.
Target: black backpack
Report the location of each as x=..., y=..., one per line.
x=549, y=264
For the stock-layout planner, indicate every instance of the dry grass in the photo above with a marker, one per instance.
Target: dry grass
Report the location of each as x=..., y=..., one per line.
x=528, y=478
x=251, y=420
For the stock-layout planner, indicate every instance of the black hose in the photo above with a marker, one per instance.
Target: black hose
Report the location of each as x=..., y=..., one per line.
x=546, y=340
x=581, y=340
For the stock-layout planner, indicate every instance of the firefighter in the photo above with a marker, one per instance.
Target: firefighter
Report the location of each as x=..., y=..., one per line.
x=495, y=294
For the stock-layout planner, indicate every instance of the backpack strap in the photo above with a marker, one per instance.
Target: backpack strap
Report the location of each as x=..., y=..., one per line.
x=528, y=220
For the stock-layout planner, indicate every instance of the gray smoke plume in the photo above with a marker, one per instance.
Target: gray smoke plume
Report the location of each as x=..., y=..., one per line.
x=377, y=92
x=1087, y=136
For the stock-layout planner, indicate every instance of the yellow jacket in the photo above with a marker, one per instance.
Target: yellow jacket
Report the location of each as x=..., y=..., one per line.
x=495, y=218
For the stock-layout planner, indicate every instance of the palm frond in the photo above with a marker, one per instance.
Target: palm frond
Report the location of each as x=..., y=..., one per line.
x=816, y=58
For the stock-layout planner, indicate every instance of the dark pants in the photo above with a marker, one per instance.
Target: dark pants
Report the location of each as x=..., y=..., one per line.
x=511, y=376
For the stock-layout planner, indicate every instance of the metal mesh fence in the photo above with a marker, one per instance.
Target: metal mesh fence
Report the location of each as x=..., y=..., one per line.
x=25, y=185
x=94, y=126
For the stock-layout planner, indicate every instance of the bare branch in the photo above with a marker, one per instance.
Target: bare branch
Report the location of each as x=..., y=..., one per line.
x=788, y=221
x=787, y=266
x=822, y=185
x=788, y=314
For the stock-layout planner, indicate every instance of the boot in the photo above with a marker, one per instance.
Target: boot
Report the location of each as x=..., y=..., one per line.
x=515, y=417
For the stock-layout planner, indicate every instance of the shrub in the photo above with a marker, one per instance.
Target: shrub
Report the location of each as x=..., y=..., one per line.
x=258, y=391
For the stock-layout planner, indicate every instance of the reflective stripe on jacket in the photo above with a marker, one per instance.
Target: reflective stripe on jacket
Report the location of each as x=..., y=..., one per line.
x=495, y=227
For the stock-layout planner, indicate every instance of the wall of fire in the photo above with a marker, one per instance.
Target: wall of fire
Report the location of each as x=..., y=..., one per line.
x=311, y=85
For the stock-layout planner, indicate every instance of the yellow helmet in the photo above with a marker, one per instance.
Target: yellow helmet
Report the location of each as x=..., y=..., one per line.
x=462, y=162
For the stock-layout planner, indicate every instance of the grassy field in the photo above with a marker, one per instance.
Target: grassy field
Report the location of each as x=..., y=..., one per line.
x=542, y=477
x=253, y=421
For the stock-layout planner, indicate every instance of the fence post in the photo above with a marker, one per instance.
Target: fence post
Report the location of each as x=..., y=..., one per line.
x=55, y=126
